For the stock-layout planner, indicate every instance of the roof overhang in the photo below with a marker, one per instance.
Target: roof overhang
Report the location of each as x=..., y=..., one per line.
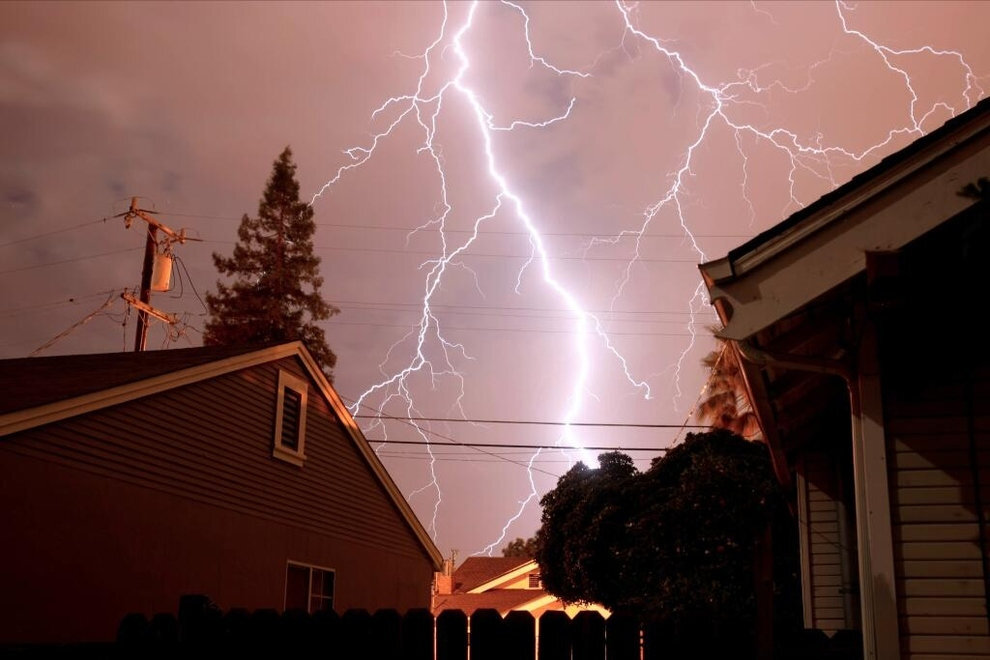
x=826, y=244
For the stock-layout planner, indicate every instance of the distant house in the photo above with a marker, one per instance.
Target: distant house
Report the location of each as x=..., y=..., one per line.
x=129, y=479
x=503, y=584
x=857, y=321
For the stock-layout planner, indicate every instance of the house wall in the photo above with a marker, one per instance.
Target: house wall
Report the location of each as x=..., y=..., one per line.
x=936, y=382
x=939, y=470
x=821, y=544
x=127, y=508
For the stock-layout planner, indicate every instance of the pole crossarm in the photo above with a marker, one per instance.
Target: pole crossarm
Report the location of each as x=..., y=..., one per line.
x=171, y=319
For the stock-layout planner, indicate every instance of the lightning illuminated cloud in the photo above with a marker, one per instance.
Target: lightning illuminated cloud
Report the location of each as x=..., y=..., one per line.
x=440, y=89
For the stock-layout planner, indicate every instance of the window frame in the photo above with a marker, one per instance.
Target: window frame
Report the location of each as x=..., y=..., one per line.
x=296, y=456
x=309, y=584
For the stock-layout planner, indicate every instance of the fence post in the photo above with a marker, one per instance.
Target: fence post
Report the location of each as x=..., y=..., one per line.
x=555, y=636
x=452, y=635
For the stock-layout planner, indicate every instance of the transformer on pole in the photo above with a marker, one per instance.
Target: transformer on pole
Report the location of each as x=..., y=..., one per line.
x=156, y=271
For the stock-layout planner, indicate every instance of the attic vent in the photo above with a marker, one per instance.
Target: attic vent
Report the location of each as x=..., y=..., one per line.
x=290, y=419
x=534, y=581
x=291, y=413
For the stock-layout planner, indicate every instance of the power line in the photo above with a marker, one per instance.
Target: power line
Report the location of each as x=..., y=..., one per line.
x=536, y=423
x=86, y=319
x=52, y=232
x=454, y=442
x=562, y=315
x=506, y=445
x=65, y=261
x=418, y=306
x=330, y=324
x=10, y=311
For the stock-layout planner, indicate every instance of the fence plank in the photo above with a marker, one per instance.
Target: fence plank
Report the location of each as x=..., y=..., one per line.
x=555, y=636
x=386, y=639
x=622, y=637
x=417, y=635
x=355, y=637
x=487, y=639
x=520, y=635
x=588, y=635
x=452, y=635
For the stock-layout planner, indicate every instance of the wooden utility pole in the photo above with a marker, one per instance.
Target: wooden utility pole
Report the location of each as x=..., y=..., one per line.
x=143, y=302
x=150, y=244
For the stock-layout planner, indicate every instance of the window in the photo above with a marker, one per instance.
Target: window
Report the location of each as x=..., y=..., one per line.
x=534, y=581
x=308, y=588
x=290, y=419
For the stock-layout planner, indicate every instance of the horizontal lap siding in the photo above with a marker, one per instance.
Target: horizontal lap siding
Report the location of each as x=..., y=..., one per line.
x=938, y=559
x=824, y=546
x=207, y=447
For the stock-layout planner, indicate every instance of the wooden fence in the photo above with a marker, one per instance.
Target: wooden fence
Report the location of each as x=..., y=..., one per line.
x=201, y=630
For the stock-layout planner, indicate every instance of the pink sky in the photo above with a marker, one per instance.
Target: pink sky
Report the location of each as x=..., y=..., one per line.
x=187, y=104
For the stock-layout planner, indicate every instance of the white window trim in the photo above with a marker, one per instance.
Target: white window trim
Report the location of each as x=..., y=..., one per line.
x=309, y=587
x=294, y=456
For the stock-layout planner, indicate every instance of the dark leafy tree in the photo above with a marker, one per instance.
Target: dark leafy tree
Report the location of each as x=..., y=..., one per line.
x=274, y=289
x=674, y=543
x=520, y=547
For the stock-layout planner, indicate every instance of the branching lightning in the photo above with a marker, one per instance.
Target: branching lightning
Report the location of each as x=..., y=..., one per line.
x=433, y=356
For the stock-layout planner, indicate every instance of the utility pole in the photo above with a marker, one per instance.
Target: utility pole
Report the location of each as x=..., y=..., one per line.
x=143, y=302
x=150, y=244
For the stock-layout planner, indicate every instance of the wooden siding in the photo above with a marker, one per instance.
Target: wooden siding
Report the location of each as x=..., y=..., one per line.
x=826, y=579
x=179, y=493
x=939, y=563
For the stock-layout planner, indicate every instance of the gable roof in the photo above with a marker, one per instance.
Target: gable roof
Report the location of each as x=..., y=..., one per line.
x=823, y=245
x=46, y=390
x=478, y=571
x=35, y=381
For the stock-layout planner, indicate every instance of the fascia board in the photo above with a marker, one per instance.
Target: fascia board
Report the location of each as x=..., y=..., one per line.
x=792, y=272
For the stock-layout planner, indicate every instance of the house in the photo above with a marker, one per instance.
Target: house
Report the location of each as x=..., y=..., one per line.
x=857, y=323
x=503, y=584
x=130, y=479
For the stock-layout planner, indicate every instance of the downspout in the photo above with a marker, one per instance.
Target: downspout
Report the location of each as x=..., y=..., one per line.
x=851, y=378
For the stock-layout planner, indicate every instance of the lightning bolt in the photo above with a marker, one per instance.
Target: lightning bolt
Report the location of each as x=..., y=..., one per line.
x=440, y=88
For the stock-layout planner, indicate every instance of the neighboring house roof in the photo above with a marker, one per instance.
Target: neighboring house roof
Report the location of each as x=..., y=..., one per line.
x=41, y=391
x=476, y=571
x=502, y=584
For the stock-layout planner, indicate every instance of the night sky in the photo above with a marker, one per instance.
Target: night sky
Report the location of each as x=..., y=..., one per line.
x=546, y=177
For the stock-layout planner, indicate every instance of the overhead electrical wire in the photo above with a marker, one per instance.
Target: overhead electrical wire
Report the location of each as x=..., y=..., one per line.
x=52, y=232
x=534, y=422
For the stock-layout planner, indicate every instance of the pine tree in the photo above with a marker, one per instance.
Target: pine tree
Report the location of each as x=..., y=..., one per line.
x=274, y=294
